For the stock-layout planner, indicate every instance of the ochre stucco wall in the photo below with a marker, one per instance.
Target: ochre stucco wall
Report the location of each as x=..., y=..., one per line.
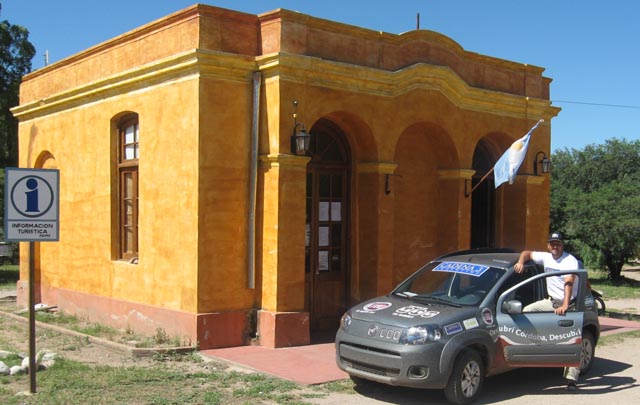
x=222, y=195
x=81, y=141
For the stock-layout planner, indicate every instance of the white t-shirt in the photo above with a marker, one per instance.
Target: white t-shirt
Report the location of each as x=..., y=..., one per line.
x=555, y=285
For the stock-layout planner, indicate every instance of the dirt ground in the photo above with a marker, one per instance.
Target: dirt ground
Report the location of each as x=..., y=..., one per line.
x=614, y=379
x=615, y=376
x=15, y=333
x=629, y=306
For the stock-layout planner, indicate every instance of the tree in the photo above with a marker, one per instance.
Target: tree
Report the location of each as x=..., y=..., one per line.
x=16, y=53
x=595, y=200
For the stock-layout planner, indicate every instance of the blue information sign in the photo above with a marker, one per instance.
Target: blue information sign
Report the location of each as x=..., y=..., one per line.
x=31, y=204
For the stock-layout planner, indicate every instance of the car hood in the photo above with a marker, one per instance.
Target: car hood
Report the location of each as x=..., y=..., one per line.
x=404, y=312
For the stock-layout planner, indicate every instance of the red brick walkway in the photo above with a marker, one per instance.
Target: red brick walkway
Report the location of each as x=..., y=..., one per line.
x=312, y=364
x=316, y=364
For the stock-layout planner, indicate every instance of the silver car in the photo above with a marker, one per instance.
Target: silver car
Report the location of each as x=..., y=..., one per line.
x=459, y=319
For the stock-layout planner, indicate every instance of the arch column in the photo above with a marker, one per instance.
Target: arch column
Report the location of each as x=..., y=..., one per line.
x=375, y=226
x=538, y=211
x=282, y=320
x=454, y=219
x=524, y=220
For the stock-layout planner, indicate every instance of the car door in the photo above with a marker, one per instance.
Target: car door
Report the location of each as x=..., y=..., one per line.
x=540, y=339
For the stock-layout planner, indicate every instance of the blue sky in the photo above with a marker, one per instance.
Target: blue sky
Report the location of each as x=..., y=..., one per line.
x=590, y=48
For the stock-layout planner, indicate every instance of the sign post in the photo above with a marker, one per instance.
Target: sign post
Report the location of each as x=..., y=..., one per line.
x=31, y=215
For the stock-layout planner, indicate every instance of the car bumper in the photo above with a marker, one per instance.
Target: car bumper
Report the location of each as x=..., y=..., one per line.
x=416, y=366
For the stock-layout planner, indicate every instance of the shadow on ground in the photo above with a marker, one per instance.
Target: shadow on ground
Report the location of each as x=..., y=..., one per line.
x=512, y=385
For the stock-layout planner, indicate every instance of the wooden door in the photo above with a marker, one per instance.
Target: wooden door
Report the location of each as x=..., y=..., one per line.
x=326, y=240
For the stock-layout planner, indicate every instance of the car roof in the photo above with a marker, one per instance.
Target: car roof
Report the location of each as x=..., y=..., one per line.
x=501, y=258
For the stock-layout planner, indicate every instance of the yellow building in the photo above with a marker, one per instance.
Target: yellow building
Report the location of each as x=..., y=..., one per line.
x=185, y=208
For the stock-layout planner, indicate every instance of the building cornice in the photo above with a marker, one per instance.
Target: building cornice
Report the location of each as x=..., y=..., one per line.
x=189, y=65
x=346, y=77
x=424, y=36
x=303, y=70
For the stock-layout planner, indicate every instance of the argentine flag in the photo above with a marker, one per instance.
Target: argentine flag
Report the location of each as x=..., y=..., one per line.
x=507, y=166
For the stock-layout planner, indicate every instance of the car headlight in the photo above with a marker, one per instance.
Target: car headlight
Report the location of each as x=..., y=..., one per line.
x=419, y=335
x=345, y=321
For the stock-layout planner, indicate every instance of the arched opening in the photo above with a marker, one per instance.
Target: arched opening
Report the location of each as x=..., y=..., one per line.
x=327, y=242
x=483, y=204
x=422, y=208
x=44, y=271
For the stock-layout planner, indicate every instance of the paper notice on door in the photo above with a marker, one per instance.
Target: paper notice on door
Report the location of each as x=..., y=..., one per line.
x=323, y=261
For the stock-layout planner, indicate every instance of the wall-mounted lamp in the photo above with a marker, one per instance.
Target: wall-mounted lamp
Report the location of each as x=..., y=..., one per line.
x=387, y=188
x=544, y=162
x=300, y=139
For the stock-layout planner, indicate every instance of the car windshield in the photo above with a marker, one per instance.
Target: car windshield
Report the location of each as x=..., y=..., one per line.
x=451, y=283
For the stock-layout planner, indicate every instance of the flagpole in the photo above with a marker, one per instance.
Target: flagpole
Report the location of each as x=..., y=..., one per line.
x=540, y=121
x=480, y=182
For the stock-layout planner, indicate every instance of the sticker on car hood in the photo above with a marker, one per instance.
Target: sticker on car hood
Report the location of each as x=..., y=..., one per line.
x=453, y=328
x=413, y=311
x=487, y=316
x=470, y=323
x=471, y=269
x=372, y=307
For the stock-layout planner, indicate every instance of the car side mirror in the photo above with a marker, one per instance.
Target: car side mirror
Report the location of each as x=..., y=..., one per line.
x=512, y=307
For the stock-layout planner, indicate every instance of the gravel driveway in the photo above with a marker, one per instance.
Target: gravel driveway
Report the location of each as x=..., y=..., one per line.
x=614, y=379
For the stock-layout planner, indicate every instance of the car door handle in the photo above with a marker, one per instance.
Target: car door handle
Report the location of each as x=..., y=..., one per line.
x=565, y=323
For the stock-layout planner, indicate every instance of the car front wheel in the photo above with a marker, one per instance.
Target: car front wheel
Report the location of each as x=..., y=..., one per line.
x=466, y=378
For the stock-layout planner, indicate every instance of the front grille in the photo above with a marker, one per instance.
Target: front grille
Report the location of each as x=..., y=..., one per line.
x=373, y=349
x=381, y=371
x=370, y=359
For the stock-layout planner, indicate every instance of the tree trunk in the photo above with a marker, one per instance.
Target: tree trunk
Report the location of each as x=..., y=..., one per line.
x=614, y=266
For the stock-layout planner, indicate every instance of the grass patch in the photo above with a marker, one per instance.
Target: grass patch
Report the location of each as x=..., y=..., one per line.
x=260, y=386
x=96, y=329
x=12, y=360
x=610, y=340
x=57, y=318
x=9, y=276
x=161, y=339
x=612, y=289
x=345, y=386
x=71, y=382
x=76, y=324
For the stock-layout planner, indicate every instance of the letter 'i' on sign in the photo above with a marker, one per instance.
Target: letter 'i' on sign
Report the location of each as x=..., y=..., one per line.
x=32, y=195
x=31, y=205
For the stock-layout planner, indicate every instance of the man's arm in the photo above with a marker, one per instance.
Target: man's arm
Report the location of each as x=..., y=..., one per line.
x=525, y=255
x=568, y=289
